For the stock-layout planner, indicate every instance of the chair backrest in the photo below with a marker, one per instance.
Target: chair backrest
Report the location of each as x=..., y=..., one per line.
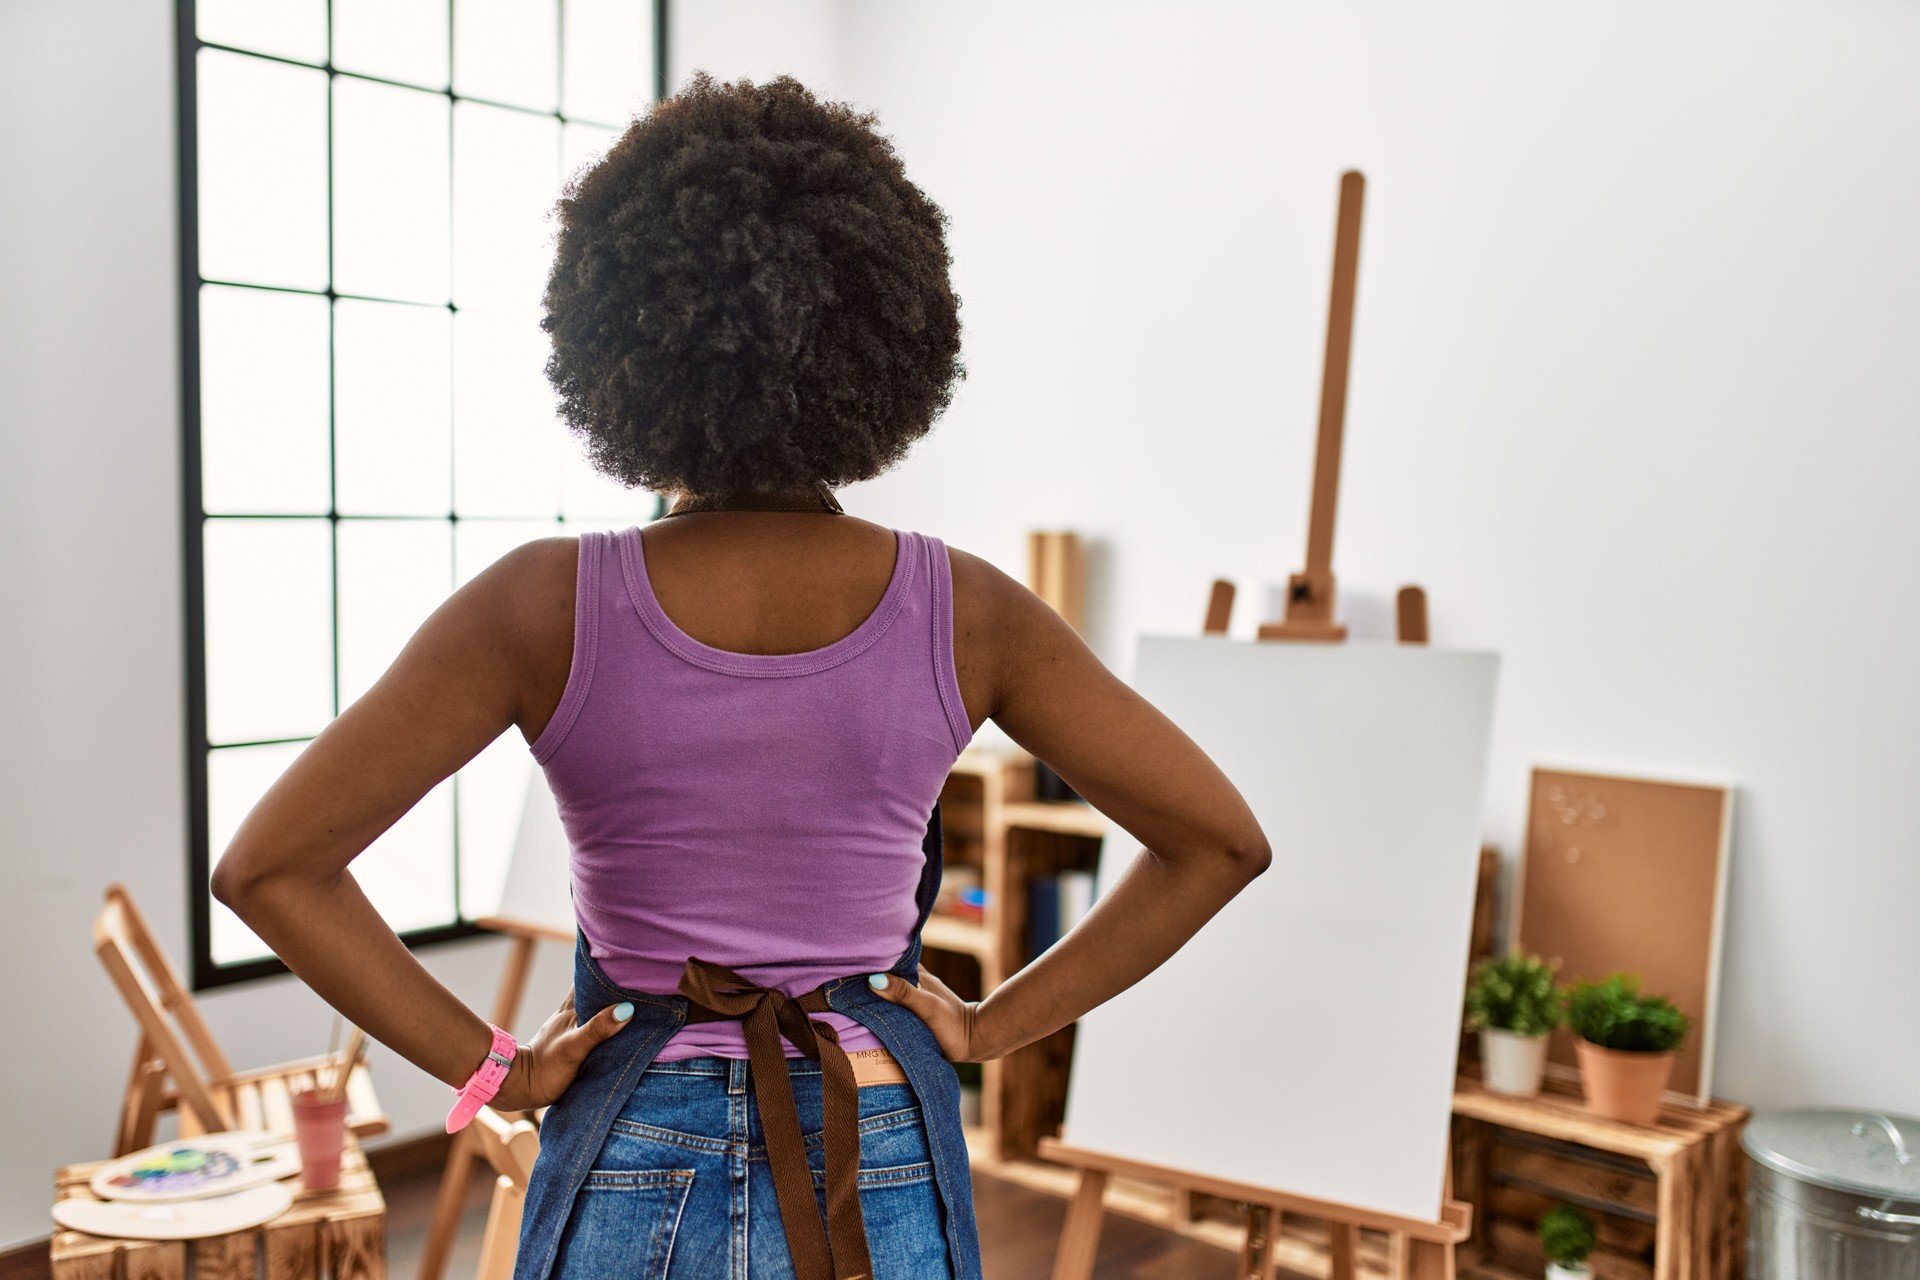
x=510, y=1147
x=168, y=1018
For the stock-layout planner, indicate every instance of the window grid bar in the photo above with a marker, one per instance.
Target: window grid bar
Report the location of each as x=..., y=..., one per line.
x=453, y=552
x=206, y=972
x=448, y=91
x=262, y=742
x=329, y=294
x=400, y=516
x=333, y=391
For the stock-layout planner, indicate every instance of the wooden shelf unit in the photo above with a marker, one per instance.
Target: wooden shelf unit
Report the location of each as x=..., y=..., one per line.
x=1669, y=1199
x=992, y=822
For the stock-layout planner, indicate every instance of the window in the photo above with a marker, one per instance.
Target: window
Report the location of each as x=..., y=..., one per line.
x=365, y=190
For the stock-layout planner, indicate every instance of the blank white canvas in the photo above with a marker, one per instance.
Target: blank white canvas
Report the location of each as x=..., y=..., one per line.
x=1305, y=1039
x=539, y=883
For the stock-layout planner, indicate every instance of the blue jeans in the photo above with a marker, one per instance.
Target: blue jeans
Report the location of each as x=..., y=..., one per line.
x=681, y=1188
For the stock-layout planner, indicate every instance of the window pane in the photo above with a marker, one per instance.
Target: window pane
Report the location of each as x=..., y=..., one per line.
x=236, y=779
x=506, y=174
x=262, y=130
x=508, y=51
x=609, y=67
x=393, y=421
x=288, y=28
x=493, y=790
x=393, y=573
x=478, y=543
x=505, y=455
x=408, y=872
x=263, y=401
x=269, y=628
x=390, y=237
x=582, y=144
x=394, y=39
x=585, y=494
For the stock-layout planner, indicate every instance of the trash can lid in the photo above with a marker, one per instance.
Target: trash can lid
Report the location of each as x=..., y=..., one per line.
x=1865, y=1152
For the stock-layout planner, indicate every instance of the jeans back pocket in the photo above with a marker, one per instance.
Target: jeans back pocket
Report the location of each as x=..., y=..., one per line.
x=624, y=1223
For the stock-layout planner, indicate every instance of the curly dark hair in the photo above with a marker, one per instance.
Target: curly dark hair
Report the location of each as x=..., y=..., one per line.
x=748, y=294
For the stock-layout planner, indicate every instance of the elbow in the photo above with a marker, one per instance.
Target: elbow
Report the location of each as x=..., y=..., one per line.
x=234, y=885
x=226, y=884
x=1250, y=855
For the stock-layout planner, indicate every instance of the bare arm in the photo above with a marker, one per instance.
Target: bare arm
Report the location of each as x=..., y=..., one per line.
x=1202, y=845
x=493, y=656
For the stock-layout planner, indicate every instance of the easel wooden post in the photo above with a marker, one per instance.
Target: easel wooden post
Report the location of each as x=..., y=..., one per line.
x=1418, y=1249
x=1310, y=596
x=465, y=1149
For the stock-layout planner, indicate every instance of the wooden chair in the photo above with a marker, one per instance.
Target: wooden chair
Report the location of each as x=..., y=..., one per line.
x=177, y=1049
x=511, y=1147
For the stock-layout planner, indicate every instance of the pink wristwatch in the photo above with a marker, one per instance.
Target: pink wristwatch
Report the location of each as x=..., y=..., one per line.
x=483, y=1083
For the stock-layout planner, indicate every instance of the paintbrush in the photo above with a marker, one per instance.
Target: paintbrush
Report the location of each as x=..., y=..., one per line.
x=337, y=1088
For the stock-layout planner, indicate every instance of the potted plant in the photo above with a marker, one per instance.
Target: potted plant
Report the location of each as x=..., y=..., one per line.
x=1512, y=1003
x=1567, y=1237
x=1625, y=1041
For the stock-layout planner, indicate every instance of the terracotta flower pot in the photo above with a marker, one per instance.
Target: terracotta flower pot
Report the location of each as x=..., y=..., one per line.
x=1623, y=1086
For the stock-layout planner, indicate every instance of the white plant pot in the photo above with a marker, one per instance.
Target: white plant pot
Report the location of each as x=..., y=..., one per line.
x=1557, y=1272
x=1512, y=1063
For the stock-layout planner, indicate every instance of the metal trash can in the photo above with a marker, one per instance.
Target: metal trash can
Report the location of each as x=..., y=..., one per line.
x=1835, y=1195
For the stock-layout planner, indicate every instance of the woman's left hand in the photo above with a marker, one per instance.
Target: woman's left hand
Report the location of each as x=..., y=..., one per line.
x=955, y=1023
x=547, y=1064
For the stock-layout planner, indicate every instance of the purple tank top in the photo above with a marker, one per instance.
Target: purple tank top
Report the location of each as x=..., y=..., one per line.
x=764, y=812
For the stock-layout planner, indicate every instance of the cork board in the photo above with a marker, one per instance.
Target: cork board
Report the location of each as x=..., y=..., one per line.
x=1629, y=875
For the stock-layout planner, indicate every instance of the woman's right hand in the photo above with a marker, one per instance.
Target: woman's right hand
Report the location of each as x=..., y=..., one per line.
x=955, y=1023
x=544, y=1066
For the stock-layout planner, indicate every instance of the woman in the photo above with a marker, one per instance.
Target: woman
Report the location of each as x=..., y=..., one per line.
x=746, y=712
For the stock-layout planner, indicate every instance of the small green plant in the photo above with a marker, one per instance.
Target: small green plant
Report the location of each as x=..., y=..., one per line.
x=1614, y=1015
x=1513, y=993
x=1567, y=1236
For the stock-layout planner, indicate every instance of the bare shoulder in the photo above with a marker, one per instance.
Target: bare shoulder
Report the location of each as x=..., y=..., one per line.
x=999, y=629
x=525, y=599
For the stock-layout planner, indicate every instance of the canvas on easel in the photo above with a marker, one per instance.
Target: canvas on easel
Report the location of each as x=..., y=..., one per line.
x=1628, y=875
x=1305, y=1039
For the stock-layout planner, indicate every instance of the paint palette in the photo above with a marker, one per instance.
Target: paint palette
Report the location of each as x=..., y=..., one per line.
x=181, y=1220
x=214, y=1164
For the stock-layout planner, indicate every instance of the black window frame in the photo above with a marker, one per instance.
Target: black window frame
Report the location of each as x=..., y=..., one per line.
x=204, y=972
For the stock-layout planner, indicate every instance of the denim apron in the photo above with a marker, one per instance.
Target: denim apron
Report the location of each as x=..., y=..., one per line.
x=577, y=1125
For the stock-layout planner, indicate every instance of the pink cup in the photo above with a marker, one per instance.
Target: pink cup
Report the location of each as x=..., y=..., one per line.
x=320, y=1130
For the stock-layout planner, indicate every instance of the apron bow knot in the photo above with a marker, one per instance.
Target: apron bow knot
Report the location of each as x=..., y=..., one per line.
x=839, y=1251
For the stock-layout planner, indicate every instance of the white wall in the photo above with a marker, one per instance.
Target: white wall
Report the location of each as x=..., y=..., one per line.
x=93, y=759
x=1632, y=397
x=1634, y=393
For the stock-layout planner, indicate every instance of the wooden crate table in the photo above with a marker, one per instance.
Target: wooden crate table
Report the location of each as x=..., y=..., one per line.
x=1669, y=1200
x=339, y=1234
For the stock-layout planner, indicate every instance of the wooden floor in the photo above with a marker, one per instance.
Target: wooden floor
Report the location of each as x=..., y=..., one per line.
x=1018, y=1231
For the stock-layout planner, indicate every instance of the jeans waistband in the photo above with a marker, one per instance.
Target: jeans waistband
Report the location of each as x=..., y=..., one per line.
x=870, y=1067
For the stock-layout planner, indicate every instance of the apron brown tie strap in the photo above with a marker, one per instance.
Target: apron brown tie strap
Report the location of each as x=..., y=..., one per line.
x=767, y=1015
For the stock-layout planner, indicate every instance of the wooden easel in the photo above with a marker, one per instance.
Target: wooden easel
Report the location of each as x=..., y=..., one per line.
x=1310, y=593
x=466, y=1147
x=1420, y=1250
x=1427, y=1252
x=1309, y=613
